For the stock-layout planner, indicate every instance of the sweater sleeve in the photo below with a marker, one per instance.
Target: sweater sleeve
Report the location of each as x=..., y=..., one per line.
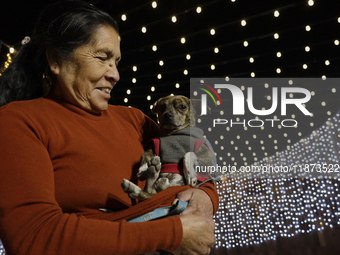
x=32, y=222
x=210, y=189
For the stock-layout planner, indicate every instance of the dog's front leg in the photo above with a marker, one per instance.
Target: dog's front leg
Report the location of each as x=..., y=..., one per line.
x=189, y=163
x=153, y=174
x=134, y=191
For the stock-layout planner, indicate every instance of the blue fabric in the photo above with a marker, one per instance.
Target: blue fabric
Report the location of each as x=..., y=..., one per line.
x=179, y=207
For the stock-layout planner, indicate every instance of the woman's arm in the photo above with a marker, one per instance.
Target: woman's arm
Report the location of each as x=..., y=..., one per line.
x=31, y=220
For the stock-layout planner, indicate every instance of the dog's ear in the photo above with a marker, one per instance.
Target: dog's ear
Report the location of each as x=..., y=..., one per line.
x=156, y=106
x=196, y=105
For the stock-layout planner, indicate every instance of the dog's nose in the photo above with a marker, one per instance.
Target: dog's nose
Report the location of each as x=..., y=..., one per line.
x=168, y=115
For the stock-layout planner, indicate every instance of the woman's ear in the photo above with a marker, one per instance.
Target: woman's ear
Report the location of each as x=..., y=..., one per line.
x=53, y=61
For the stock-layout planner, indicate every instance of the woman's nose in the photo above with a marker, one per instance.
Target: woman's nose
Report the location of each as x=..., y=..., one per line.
x=113, y=72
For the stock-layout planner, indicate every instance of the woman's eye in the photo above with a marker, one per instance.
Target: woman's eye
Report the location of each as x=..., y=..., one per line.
x=102, y=58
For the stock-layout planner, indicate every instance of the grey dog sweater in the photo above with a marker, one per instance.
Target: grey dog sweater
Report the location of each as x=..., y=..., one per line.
x=173, y=147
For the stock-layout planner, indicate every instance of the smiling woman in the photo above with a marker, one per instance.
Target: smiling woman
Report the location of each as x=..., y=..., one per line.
x=86, y=80
x=64, y=153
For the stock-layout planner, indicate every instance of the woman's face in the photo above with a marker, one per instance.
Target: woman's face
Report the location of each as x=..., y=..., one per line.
x=87, y=79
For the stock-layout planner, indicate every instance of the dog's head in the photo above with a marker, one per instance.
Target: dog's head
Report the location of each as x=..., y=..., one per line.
x=174, y=113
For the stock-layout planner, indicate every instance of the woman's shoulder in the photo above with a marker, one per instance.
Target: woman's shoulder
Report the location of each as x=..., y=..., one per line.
x=25, y=106
x=126, y=112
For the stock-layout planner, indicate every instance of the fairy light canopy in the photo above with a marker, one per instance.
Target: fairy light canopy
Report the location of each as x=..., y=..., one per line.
x=165, y=43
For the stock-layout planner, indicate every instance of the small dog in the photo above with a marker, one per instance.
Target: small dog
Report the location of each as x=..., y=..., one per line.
x=180, y=150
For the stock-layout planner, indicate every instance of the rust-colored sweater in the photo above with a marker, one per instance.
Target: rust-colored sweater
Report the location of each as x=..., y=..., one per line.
x=59, y=164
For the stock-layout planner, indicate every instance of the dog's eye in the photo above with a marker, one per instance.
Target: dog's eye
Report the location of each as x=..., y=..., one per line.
x=182, y=107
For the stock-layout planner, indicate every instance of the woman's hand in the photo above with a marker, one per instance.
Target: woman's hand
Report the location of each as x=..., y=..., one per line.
x=198, y=235
x=199, y=202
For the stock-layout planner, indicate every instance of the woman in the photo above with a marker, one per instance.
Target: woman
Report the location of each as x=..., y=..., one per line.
x=63, y=156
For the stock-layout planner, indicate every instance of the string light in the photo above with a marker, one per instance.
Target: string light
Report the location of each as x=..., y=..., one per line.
x=243, y=23
x=143, y=30
x=123, y=17
x=198, y=9
x=183, y=40
x=276, y=14
x=154, y=4
x=174, y=19
x=257, y=206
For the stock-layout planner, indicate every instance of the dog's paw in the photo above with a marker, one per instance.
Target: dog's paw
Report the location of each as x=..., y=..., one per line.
x=131, y=189
x=189, y=164
x=150, y=168
x=162, y=184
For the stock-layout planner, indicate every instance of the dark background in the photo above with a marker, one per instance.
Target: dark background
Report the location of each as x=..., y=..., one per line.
x=17, y=19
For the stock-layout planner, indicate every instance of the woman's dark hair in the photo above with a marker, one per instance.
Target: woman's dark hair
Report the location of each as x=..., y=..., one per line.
x=62, y=27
